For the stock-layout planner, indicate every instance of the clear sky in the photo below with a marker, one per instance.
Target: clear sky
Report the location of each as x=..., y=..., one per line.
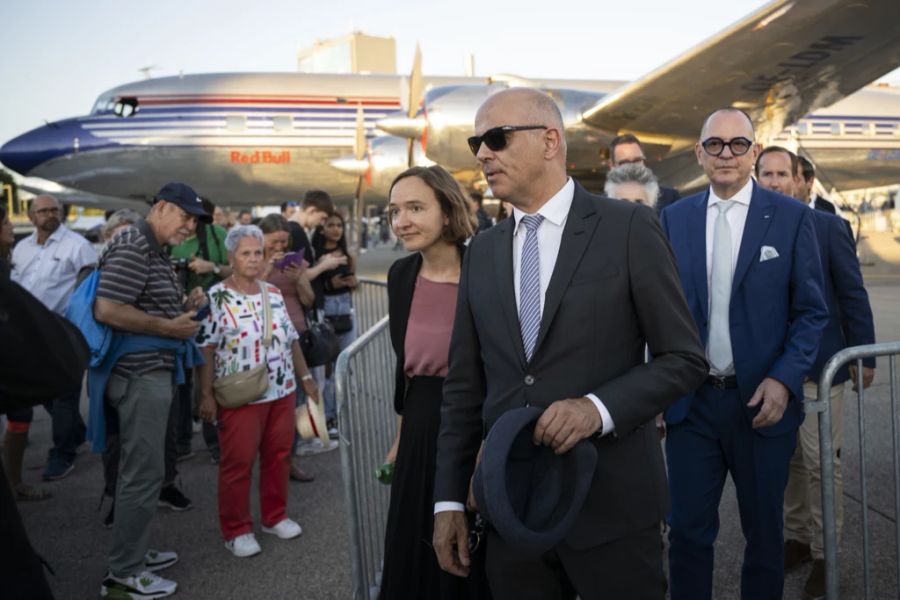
x=57, y=56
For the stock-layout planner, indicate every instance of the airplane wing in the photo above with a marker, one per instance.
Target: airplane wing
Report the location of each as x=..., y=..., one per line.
x=778, y=64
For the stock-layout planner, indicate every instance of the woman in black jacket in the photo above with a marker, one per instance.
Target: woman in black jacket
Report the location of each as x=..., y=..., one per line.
x=429, y=214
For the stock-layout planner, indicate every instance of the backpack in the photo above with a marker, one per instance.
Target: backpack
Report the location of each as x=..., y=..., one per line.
x=80, y=311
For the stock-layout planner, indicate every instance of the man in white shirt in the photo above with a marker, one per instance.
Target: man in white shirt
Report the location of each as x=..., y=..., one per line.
x=555, y=308
x=47, y=263
x=750, y=270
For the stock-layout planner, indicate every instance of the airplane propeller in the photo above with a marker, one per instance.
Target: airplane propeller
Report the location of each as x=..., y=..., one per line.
x=416, y=87
x=359, y=153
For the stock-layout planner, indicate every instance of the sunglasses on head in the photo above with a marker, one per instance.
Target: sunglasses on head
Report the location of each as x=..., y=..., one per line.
x=496, y=137
x=715, y=146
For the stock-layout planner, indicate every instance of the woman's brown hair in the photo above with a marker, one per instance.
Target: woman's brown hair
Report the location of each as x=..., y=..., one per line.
x=462, y=225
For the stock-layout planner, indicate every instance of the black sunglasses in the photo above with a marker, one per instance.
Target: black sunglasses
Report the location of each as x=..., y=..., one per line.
x=715, y=146
x=496, y=138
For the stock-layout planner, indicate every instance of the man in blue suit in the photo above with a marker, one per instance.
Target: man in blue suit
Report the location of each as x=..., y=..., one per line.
x=750, y=271
x=850, y=323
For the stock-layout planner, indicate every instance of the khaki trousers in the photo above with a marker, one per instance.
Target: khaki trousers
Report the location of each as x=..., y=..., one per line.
x=803, y=495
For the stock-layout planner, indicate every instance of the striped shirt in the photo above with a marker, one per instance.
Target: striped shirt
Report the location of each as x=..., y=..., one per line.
x=136, y=270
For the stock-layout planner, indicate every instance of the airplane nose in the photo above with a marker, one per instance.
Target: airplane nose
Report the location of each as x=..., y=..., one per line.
x=29, y=150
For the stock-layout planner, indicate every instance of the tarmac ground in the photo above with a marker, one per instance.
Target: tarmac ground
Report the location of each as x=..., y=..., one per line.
x=67, y=529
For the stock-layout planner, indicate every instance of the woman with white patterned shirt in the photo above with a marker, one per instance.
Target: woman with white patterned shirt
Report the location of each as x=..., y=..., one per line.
x=232, y=341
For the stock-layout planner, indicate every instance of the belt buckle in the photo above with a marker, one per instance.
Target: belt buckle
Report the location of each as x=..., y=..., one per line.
x=718, y=382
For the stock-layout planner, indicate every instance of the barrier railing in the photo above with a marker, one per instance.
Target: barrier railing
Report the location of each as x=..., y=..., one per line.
x=370, y=303
x=826, y=453
x=364, y=374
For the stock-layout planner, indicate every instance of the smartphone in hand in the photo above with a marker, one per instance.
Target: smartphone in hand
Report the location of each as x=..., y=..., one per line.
x=291, y=258
x=202, y=312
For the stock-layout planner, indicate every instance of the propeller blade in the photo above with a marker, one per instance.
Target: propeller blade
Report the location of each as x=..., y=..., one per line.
x=359, y=143
x=416, y=84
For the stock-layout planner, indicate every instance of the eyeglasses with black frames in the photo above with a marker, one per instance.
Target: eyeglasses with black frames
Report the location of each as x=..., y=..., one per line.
x=496, y=138
x=739, y=146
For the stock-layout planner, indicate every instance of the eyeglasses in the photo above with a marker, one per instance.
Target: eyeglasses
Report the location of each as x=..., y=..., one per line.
x=633, y=161
x=496, y=138
x=715, y=146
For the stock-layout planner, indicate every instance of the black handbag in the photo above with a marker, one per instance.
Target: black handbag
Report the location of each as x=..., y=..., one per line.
x=340, y=323
x=319, y=342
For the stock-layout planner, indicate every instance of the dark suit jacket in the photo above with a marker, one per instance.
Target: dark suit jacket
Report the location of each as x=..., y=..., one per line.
x=666, y=197
x=777, y=311
x=825, y=205
x=850, y=321
x=614, y=289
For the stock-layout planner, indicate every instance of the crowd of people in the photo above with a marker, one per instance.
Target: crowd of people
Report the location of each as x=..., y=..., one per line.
x=193, y=301
x=570, y=334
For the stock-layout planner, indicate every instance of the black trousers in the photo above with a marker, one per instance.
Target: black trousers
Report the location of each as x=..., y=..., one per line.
x=629, y=567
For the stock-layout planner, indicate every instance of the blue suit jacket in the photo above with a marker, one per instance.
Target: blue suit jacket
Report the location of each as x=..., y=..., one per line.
x=850, y=321
x=777, y=310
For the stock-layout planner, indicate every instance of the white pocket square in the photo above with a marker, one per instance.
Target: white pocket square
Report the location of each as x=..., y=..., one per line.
x=767, y=253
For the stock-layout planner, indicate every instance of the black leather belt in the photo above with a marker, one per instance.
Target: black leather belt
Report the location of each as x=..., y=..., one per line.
x=728, y=382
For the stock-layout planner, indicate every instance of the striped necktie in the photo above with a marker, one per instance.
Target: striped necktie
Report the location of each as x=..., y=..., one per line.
x=530, y=285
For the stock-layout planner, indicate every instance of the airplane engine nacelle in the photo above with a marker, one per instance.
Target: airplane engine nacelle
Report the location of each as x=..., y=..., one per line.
x=449, y=112
x=388, y=157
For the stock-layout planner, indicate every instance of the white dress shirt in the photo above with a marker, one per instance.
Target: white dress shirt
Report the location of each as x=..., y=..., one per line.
x=48, y=271
x=555, y=212
x=737, y=218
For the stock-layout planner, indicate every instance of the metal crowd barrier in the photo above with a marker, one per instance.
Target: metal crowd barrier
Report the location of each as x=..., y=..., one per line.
x=826, y=453
x=364, y=376
x=370, y=303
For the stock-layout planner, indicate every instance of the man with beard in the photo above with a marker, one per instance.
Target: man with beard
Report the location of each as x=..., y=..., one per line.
x=46, y=264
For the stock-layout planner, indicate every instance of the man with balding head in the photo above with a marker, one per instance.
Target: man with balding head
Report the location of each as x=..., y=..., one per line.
x=555, y=308
x=46, y=263
x=750, y=270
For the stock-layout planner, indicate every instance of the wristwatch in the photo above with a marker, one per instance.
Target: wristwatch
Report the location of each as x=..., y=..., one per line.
x=216, y=269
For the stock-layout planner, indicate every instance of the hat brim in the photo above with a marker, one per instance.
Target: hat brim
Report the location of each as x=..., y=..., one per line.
x=311, y=422
x=195, y=210
x=492, y=495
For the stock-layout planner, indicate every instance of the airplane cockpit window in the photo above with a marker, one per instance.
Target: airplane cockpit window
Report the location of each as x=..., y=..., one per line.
x=103, y=104
x=125, y=107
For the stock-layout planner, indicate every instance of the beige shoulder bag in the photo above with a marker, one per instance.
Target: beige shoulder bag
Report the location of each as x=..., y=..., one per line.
x=238, y=389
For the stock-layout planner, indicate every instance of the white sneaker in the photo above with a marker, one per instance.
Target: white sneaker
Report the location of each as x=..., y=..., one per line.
x=157, y=561
x=244, y=545
x=316, y=446
x=137, y=587
x=285, y=529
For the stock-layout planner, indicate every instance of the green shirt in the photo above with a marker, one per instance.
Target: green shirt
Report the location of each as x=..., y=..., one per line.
x=190, y=248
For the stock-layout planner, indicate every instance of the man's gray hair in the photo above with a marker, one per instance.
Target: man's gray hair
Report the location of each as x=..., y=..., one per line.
x=239, y=232
x=632, y=173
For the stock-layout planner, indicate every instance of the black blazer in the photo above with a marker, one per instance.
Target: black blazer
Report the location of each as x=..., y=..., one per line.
x=614, y=289
x=401, y=284
x=825, y=205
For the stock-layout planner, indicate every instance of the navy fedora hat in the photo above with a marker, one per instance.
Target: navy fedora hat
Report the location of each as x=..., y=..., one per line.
x=183, y=196
x=530, y=494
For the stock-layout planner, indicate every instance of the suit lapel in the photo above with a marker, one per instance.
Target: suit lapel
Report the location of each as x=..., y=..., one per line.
x=759, y=218
x=697, y=241
x=503, y=266
x=580, y=224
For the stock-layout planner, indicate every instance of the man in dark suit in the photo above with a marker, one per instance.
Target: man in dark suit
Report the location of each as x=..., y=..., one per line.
x=753, y=281
x=626, y=149
x=804, y=188
x=555, y=308
x=850, y=323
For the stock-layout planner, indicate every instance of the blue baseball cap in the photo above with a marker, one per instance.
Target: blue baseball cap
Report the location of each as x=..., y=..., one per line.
x=183, y=196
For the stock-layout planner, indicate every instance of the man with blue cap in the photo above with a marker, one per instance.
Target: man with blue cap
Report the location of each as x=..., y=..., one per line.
x=556, y=307
x=138, y=293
